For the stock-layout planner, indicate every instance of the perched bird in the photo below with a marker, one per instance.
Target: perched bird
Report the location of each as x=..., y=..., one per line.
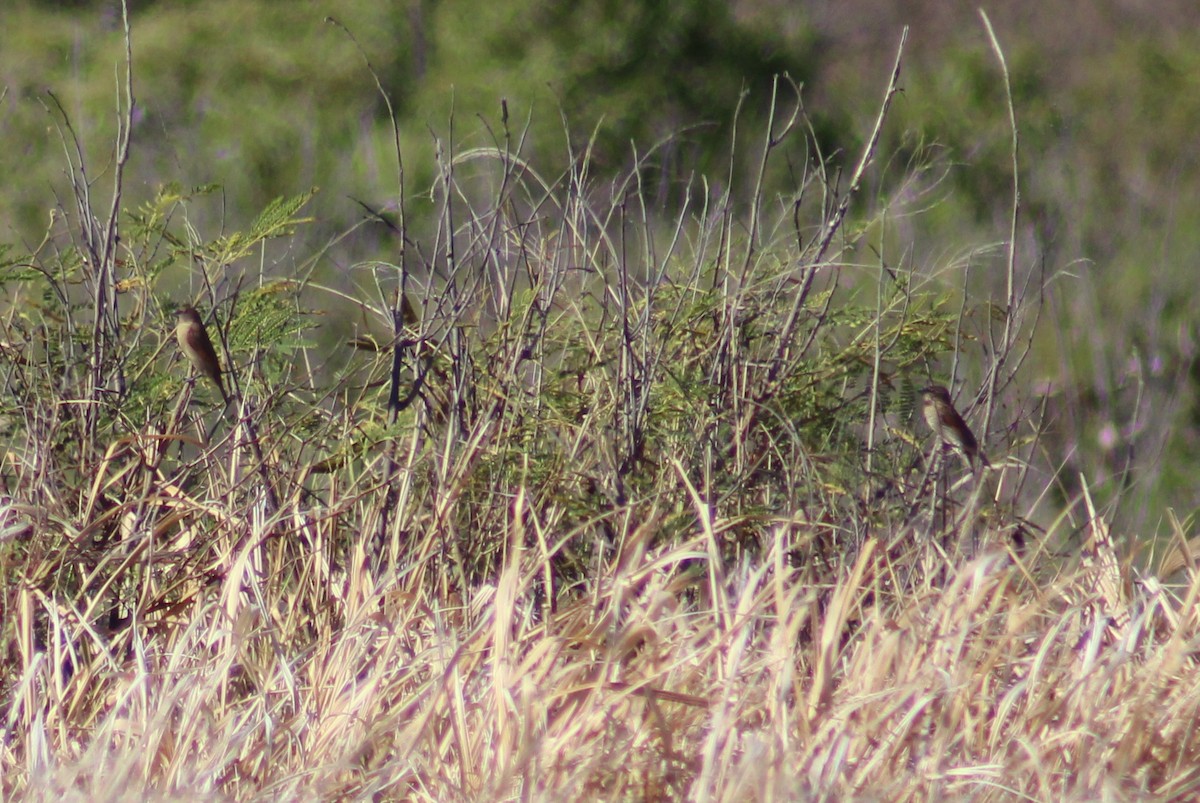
x=949, y=426
x=197, y=347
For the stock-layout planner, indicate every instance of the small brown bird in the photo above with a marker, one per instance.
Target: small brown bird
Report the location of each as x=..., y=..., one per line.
x=197, y=347
x=949, y=426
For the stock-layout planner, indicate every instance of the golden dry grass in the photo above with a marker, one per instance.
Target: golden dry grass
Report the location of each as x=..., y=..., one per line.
x=658, y=680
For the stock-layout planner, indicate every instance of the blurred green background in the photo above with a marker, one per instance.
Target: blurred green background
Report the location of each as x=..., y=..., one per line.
x=266, y=99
